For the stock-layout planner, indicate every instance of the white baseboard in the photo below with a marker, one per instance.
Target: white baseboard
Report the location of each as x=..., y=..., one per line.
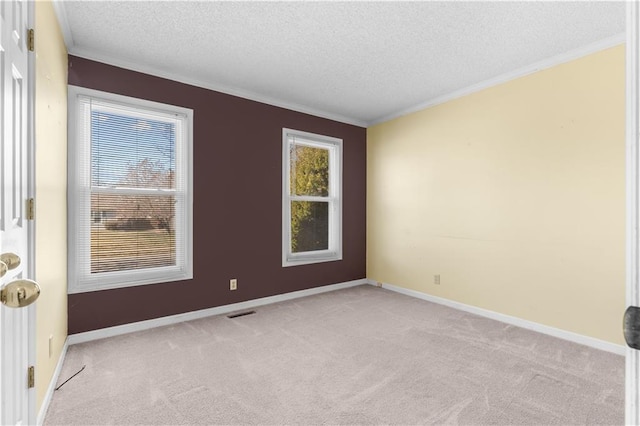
x=219, y=310
x=52, y=385
x=518, y=322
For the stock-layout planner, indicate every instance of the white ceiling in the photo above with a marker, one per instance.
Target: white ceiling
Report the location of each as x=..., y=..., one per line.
x=357, y=62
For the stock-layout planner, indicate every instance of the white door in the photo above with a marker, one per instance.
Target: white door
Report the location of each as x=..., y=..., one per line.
x=16, y=334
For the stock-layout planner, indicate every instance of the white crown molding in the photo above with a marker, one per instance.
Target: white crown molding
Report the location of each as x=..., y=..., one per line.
x=203, y=313
x=48, y=396
x=512, y=75
x=74, y=50
x=234, y=91
x=61, y=13
x=106, y=59
x=507, y=319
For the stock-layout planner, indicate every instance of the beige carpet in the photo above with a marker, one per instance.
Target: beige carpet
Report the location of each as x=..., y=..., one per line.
x=363, y=355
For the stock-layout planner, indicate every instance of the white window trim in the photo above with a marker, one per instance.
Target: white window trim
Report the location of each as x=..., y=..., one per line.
x=334, y=252
x=80, y=278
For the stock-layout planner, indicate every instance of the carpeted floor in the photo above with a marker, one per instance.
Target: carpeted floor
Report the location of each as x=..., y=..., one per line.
x=363, y=355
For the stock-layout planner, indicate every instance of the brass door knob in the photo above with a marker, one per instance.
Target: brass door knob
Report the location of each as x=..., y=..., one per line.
x=12, y=260
x=3, y=269
x=19, y=293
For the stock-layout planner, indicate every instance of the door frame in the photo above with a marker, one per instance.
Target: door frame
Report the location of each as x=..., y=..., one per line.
x=632, y=359
x=31, y=228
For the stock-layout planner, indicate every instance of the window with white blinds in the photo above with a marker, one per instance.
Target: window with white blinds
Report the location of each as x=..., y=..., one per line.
x=130, y=191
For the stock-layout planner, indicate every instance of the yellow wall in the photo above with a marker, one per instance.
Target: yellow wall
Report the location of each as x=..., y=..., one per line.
x=51, y=192
x=515, y=195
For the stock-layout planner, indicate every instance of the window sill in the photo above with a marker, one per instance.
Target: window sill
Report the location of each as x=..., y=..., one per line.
x=308, y=260
x=115, y=280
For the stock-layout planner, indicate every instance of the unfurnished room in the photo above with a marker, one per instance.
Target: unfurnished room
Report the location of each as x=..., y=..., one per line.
x=353, y=213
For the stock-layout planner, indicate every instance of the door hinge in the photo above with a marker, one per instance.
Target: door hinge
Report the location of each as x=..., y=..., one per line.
x=31, y=209
x=31, y=42
x=32, y=376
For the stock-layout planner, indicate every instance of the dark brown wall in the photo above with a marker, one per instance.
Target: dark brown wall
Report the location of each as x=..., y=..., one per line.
x=237, y=203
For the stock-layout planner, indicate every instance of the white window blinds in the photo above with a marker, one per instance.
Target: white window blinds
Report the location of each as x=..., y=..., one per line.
x=132, y=201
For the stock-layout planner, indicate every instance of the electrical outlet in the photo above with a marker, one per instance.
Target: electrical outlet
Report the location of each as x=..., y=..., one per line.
x=436, y=279
x=379, y=284
x=233, y=284
x=50, y=345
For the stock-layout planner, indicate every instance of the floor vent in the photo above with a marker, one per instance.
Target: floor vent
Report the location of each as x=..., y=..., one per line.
x=241, y=314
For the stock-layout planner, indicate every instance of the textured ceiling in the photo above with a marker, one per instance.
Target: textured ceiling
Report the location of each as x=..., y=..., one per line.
x=358, y=62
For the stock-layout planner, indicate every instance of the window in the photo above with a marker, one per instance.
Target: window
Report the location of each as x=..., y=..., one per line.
x=312, y=200
x=130, y=191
